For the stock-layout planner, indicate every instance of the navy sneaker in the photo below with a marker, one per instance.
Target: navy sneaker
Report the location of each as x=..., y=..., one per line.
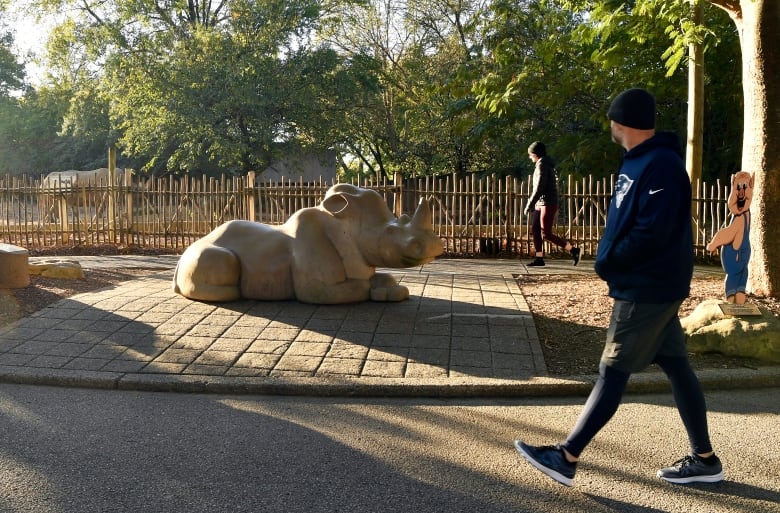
x=575, y=255
x=693, y=469
x=538, y=262
x=550, y=460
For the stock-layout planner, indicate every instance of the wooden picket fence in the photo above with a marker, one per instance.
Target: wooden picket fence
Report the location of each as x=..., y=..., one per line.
x=473, y=216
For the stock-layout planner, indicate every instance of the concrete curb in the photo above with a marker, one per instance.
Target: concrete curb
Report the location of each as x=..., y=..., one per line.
x=641, y=383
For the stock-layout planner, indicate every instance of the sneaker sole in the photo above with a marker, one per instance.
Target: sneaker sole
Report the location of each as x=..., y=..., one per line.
x=714, y=478
x=545, y=470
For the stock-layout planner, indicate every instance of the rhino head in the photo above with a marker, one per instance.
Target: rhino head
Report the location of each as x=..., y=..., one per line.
x=409, y=242
x=383, y=239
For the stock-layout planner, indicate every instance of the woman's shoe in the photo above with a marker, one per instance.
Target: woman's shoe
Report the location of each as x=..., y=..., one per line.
x=575, y=255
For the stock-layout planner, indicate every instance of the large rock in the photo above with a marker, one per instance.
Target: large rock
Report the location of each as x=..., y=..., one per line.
x=710, y=330
x=57, y=269
x=13, y=267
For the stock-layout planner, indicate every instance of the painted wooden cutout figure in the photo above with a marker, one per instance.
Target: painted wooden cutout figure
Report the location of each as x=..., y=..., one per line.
x=735, y=239
x=326, y=254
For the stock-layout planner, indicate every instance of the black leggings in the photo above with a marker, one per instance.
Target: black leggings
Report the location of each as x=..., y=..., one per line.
x=608, y=391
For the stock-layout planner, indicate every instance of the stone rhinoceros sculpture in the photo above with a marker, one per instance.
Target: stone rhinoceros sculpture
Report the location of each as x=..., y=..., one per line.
x=326, y=254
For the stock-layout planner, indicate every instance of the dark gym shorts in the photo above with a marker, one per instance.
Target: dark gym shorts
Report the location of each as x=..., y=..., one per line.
x=640, y=331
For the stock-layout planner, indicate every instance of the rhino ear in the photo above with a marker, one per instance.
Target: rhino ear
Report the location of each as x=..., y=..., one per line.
x=423, y=218
x=335, y=204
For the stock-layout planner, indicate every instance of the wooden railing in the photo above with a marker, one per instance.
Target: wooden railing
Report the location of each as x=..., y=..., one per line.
x=474, y=217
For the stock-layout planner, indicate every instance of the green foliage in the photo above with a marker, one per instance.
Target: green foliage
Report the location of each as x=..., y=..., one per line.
x=660, y=31
x=398, y=86
x=546, y=86
x=11, y=70
x=557, y=64
x=193, y=86
x=225, y=103
x=28, y=123
x=31, y=141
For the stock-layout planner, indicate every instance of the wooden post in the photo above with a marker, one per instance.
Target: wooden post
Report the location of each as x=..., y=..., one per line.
x=128, y=182
x=398, y=195
x=62, y=206
x=250, y=196
x=112, y=194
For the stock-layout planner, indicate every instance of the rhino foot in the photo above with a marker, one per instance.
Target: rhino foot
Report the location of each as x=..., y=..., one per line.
x=385, y=288
x=390, y=294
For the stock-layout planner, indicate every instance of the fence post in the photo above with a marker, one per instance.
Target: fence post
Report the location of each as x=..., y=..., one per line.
x=397, y=196
x=62, y=202
x=250, y=196
x=111, y=194
x=128, y=183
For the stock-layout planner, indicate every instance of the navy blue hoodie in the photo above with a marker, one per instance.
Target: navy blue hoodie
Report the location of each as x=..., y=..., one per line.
x=646, y=252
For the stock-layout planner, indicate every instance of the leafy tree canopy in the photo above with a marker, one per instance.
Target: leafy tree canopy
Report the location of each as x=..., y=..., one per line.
x=412, y=87
x=12, y=75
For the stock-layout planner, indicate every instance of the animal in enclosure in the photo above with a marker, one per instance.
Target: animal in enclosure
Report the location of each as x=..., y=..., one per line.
x=734, y=238
x=71, y=178
x=77, y=190
x=326, y=254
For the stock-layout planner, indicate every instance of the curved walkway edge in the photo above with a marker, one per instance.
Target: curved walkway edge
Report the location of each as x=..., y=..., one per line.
x=377, y=387
x=465, y=332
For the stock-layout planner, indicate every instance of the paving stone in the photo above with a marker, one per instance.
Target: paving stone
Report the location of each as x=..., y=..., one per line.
x=384, y=369
x=340, y=366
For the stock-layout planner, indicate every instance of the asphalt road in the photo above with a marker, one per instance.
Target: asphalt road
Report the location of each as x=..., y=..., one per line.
x=81, y=451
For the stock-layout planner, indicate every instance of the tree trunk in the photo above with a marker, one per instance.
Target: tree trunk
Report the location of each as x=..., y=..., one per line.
x=757, y=22
x=694, y=150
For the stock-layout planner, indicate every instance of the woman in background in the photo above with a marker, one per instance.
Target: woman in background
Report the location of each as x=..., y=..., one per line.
x=544, y=201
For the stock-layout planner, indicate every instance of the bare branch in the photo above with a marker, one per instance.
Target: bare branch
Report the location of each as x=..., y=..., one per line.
x=92, y=13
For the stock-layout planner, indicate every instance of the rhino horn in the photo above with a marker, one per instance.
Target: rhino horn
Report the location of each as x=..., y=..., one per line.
x=423, y=218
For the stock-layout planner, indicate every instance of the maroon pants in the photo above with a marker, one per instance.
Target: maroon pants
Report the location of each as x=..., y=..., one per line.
x=542, y=227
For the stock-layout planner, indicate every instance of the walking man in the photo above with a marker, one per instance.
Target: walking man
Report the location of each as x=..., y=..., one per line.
x=646, y=257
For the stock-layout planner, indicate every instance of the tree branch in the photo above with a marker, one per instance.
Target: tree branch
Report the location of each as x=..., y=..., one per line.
x=92, y=13
x=733, y=7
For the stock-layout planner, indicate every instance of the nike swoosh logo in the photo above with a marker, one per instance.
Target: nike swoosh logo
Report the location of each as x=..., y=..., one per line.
x=651, y=191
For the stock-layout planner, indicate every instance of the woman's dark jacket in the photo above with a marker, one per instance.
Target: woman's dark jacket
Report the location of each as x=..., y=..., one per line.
x=545, y=183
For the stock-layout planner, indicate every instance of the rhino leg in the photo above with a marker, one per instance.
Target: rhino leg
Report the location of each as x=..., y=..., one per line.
x=385, y=288
x=323, y=293
x=211, y=273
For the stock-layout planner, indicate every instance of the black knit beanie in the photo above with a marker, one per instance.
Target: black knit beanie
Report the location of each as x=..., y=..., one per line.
x=537, y=148
x=634, y=108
